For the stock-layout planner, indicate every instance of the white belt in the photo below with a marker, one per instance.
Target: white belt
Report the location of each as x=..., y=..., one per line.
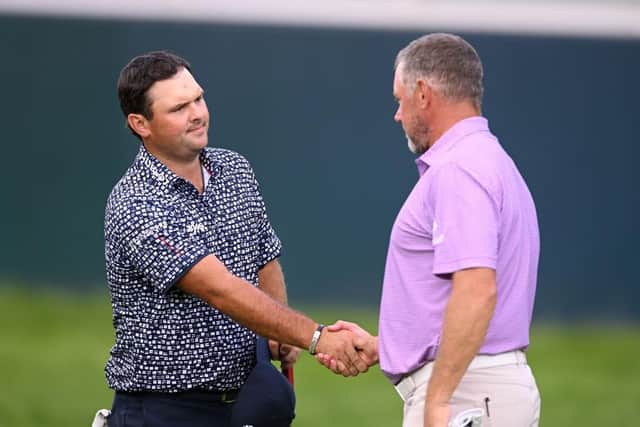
x=420, y=376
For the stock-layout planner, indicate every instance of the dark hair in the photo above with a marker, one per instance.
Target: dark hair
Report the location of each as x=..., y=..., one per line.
x=139, y=75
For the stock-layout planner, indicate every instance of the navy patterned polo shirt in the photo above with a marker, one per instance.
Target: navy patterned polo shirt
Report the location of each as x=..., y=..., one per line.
x=157, y=226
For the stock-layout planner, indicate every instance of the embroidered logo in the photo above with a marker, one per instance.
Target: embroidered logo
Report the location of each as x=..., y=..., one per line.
x=437, y=238
x=196, y=227
x=137, y=241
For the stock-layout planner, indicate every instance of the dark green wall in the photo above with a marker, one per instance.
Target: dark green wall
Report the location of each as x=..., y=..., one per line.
x=312, y=110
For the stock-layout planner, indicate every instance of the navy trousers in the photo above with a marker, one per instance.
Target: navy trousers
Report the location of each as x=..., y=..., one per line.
x=150, y=409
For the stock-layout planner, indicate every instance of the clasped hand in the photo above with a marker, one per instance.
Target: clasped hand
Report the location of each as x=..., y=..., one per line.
x=347, y=349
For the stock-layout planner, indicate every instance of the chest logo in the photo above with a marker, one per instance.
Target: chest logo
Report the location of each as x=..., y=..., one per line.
x=196, y=227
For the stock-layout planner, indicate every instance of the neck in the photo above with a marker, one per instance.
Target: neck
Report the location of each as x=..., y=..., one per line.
x=446, y=117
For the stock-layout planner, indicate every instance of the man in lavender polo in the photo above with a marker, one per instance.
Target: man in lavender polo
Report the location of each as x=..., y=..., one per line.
x=461, y=268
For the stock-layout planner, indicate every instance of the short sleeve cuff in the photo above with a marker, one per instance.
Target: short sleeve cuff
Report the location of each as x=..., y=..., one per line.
x=270, y=250
x=173, y=279
x=441, y=268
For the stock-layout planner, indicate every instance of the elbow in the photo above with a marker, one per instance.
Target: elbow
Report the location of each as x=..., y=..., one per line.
x=219, y=292
x=489, y=294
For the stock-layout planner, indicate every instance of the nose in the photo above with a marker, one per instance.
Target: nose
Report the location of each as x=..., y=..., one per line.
x=398, y=116
x=199, y=111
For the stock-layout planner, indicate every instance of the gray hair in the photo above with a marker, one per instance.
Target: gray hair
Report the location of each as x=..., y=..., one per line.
x=447, y=63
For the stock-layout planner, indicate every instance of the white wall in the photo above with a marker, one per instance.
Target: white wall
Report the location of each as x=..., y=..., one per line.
x=562, y=17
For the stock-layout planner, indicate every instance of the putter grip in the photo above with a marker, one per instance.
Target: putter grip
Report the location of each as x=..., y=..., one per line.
x=288, y=372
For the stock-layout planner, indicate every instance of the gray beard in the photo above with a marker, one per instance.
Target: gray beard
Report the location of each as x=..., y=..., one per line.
x=413, y=147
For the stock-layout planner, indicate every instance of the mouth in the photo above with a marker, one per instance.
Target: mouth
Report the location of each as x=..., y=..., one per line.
x=196, y=128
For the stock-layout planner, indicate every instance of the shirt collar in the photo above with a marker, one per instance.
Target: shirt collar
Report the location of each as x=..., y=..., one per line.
x=210, y=163
x=448, y=139
x=148, y=166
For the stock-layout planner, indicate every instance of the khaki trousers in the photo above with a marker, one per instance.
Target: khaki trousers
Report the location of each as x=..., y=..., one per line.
x=502, y=386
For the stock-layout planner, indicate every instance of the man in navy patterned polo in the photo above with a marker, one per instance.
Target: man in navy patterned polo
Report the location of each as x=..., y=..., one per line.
x=192, y=264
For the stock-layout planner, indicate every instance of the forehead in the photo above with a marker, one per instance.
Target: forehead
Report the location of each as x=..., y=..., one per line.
x=180, y=87
x=398, y=84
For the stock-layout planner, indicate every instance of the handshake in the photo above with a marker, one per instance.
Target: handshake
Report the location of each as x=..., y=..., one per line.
x=347, y=349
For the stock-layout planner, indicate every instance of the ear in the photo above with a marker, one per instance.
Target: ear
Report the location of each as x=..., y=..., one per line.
x=423, y=94
x=139, y=124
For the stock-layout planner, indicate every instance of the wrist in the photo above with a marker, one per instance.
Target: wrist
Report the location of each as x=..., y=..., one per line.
x=315, y=339
x=437, y=397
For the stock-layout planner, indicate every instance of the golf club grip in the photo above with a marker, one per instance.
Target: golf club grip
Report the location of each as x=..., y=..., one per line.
x=288, y=372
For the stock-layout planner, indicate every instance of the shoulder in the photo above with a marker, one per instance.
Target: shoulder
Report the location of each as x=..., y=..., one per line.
x=131, y=200
x=475, y=164
x=481, y=156
x=129, y=188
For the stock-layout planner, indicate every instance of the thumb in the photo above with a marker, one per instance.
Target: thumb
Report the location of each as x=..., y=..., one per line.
x=338, y=326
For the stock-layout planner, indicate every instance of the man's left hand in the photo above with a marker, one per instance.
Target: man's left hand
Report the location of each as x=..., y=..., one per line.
x=285, y=353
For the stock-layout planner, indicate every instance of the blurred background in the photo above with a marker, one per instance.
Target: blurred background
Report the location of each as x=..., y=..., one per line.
x=304, y=91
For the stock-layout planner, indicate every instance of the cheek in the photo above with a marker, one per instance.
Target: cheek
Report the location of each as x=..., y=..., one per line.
x=173, y=126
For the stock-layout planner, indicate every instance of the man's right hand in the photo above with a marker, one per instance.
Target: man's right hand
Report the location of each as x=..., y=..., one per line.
x=341, y=346
x=365, y=344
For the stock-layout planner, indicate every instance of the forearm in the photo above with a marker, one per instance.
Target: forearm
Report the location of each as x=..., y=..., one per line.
x=247, y=305
x=467, y=316
x=271, y=281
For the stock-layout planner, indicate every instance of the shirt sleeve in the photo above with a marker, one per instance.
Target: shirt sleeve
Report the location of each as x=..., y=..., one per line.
x=465, y=225
x=156, y=244
x=270, y=245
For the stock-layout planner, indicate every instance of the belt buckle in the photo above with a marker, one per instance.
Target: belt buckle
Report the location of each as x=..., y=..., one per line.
x=405, y=387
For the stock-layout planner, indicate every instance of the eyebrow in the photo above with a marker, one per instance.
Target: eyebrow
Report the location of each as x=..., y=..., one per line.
x=184, y=104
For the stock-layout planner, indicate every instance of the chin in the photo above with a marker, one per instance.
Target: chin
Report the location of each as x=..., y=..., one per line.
x=199, y=141
x=413, y=147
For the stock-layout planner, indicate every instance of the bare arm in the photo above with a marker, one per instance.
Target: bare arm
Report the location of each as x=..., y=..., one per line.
x=210, y=280
x=271, y=281
x=467, y=316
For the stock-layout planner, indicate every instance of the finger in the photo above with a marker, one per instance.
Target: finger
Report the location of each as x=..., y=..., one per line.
x=354, y=360
x=340, y=325
x=292, y=354
x=345, y=370
x=353, y=371
x=369, y=361
x=286, y=349
x=274, y=349
x=328, y=362
x=324, y=362
x=335, y=327
x=321, y=356
x=361, y=365
x=353, y=327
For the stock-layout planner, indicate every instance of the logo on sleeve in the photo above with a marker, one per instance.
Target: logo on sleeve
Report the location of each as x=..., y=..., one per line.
x=437, y=237
x=137, y=241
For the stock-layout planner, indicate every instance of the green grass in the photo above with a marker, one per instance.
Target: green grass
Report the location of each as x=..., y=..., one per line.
x=53, y=348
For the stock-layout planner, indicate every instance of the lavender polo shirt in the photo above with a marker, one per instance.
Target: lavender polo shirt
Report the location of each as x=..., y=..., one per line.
x=469, y=208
